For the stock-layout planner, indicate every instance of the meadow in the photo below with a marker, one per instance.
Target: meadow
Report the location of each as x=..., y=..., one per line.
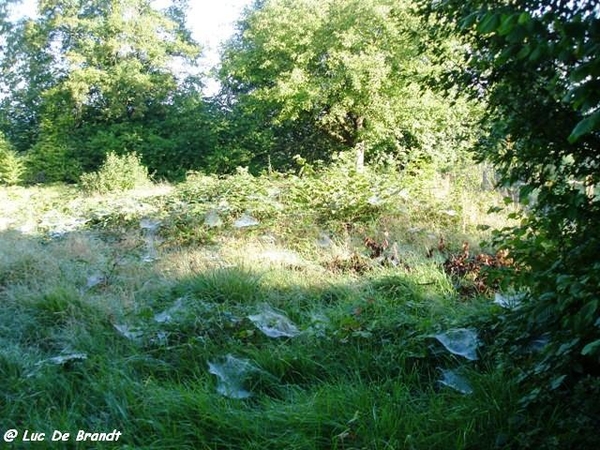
x=256, y=312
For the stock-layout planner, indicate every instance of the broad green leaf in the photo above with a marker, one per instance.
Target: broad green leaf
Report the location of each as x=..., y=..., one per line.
x=468, y=21
x=589, y=310
x=495, y=209
x=508, y=24
x=490, y=23
x=524, y=52
x=581, y=73
x=524, y=17
x=587, y=125
x=538, y=52
x=556, y=382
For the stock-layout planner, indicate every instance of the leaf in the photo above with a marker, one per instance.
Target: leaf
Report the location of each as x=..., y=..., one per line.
x=581, y=73
x=489, y=23
x=557, y=382
x=508, y=24
x=524, y=17
x=537, y=53
x=468, y=21
x=524, y=52
x=589, y=309
x=566, y=348
x=591, y=348
x=524, y=192
x=587, y=125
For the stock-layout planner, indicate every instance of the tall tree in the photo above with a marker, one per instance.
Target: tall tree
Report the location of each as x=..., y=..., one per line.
x=350, y=65
x=114, y=55
x=94, y=66
x=26, y=71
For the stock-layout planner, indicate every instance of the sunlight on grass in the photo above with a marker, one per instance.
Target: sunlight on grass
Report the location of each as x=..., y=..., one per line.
x=322, y=331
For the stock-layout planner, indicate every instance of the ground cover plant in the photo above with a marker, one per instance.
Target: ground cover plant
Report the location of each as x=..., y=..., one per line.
x=234, y=313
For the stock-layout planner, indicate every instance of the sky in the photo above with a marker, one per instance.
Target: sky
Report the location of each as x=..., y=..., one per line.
x=211, y=22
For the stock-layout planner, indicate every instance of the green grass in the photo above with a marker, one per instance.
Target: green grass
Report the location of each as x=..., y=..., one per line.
x=363, y=372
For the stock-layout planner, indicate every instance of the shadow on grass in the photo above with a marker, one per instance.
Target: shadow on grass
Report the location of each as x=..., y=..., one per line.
x=126, y=352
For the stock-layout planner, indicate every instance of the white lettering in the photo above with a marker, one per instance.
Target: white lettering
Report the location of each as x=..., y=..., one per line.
x=29, y=436
x=113, y=436
x=59, y=436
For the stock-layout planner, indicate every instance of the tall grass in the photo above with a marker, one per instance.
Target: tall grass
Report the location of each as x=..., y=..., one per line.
x=97, y=337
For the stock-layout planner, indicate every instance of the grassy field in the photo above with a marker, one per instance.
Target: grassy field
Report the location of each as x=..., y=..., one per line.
x=249, y=313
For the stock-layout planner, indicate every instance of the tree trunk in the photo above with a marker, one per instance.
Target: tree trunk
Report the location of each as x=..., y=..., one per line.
x=360, y=157
x=360, y=145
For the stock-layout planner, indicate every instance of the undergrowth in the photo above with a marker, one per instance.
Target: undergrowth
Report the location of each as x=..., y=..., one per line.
x=119, y=312
x=117, y=173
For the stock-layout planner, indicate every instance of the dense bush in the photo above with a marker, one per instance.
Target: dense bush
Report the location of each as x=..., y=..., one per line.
x=118, y=173
x=50, y=160
x=340, y=193
x=231, y=195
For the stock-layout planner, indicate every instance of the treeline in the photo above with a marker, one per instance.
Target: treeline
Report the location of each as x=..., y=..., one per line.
x=301, y=81
x=87, y=78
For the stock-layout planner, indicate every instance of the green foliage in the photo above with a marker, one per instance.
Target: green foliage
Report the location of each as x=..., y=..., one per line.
x=118, y=173
x=181, y=139
x=105, y=339
x=51, y=160
x=12, y=166
x=340, y=193
x=118, y=59
x=348, y=69
x=329, y=195
x=535, y=63
x=247, y=137
x=110, y=87
x=233, y=194
x=26, y=74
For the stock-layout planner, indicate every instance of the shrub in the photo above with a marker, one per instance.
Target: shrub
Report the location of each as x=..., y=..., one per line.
x=118, y=173
x=339, y=193
x=11, y=164
x=234, y=194
x=52, y=161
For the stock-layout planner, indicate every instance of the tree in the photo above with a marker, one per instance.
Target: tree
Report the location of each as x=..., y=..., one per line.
x=351, y=66
x=536, y=64
x=25, y=73
x=115, y=55
x=99, y=67
x=247, y=136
